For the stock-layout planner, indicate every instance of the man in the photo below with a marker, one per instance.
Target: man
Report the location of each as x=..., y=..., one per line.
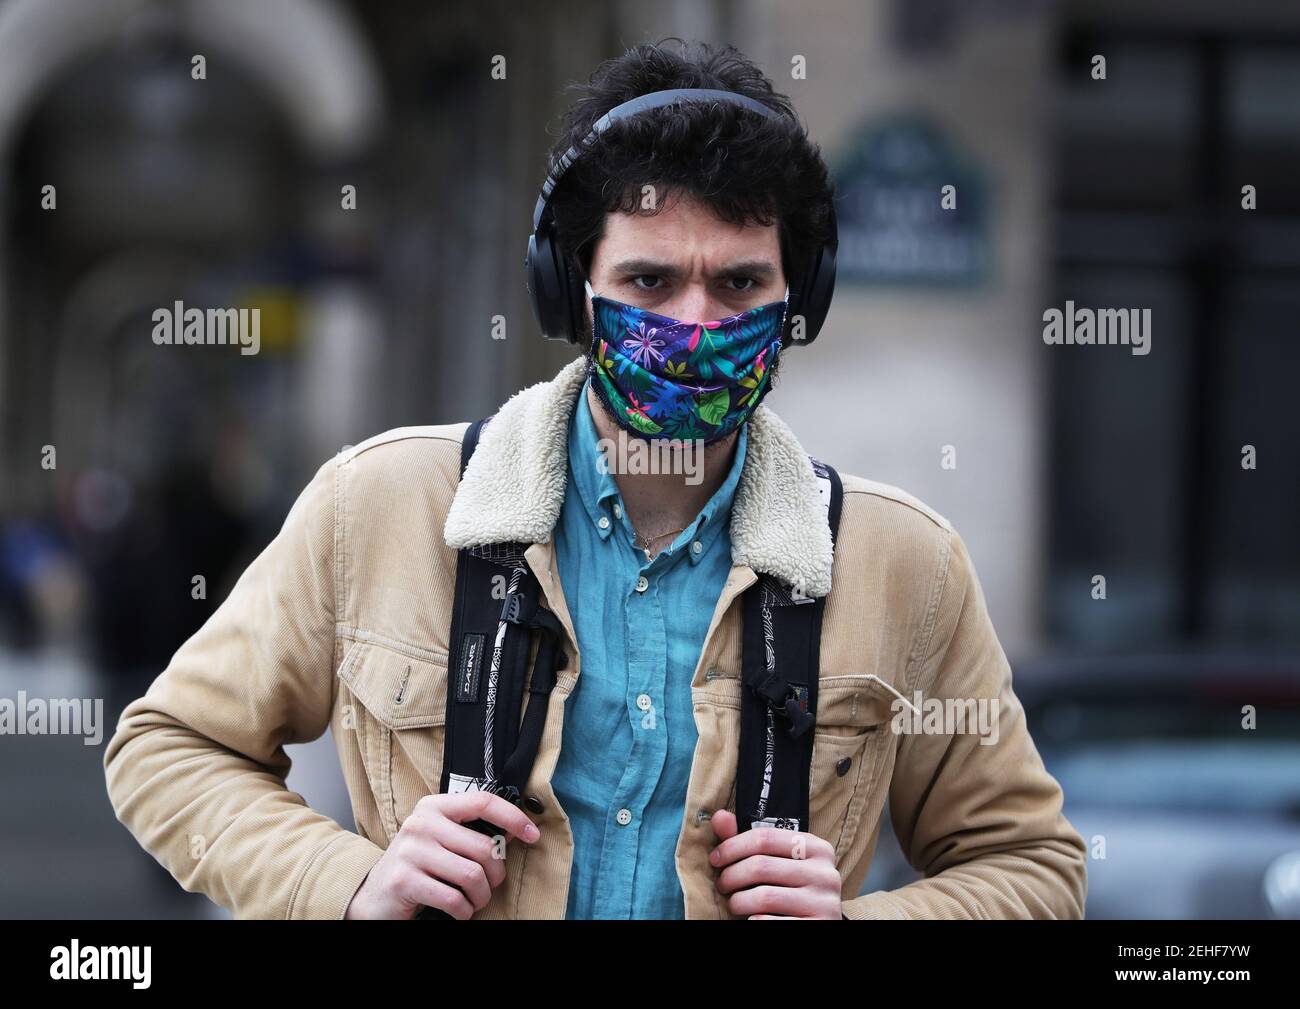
x=690, y=226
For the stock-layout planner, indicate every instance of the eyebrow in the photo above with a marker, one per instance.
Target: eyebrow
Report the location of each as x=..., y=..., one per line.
x=748, y=268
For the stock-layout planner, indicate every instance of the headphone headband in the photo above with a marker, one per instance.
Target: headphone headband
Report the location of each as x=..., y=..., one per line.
x=635, y=106
x=557, y=296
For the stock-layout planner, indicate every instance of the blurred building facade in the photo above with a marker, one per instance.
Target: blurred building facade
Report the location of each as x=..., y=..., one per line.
x=359, y=173
x=228, y=190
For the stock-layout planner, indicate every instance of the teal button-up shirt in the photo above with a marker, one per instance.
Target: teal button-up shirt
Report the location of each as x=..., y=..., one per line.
x=629, y=727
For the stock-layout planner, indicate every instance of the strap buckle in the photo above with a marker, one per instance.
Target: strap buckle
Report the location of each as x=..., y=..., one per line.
x=518, y=609
x=786, y=701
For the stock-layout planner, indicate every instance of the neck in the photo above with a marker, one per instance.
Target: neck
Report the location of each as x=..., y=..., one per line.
x=657, y=503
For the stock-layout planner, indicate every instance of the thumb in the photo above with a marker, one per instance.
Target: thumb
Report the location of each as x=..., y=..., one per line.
x=724, y=824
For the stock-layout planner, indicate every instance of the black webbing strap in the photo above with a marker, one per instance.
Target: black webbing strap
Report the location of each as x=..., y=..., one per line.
x=549, y=660
x=496, y=607
x=780, y=667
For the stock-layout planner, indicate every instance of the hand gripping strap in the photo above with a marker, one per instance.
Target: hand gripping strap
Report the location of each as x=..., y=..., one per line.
x=780, y=665
x=486, y=747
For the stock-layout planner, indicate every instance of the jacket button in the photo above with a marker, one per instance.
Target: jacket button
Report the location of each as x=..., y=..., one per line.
x=842, y=767
x=534, y=804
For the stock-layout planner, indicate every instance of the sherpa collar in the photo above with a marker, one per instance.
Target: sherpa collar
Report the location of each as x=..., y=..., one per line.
x=514, y=486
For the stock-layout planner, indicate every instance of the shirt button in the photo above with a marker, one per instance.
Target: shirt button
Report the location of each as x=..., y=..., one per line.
x=643, y=702
x=697, y=546
x=624, y=817
x=642, y=583
x=604, y=522
x=618, y=510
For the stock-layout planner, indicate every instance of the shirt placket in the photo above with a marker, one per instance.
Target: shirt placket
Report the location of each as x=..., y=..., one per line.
x=647, y=652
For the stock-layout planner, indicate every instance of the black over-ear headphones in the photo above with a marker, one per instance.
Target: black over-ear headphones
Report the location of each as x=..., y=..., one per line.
x=558, y=295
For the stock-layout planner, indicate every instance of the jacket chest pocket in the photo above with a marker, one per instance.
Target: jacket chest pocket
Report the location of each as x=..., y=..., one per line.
x=850, y=741
x=398, y=714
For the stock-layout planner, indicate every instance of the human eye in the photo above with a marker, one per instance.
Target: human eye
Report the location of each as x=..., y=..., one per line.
x=636, y=281
x=749, y=283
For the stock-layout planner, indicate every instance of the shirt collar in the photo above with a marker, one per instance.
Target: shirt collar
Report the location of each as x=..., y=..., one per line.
x=600, y=497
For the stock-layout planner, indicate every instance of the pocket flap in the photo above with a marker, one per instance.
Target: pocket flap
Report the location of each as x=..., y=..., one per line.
x=858, y=700
x=401, y=690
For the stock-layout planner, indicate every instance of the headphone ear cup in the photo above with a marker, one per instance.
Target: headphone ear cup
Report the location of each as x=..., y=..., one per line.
x=813, y=300
x=533, y=282
x=547, y=287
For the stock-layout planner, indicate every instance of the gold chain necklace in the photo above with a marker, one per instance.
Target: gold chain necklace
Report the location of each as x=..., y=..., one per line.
x=644, y=541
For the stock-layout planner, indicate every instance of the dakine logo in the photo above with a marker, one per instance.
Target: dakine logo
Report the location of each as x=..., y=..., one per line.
x=102, y=963
x=215, y=327
x=1127, y=326
x=471, y=662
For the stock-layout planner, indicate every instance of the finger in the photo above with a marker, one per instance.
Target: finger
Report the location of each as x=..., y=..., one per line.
x=796, y=902
x=417, y=889
x=760, y=841
x=489, y=852
x=724, y=824
x=468, y=806
x=758, y=869
x=465, y=874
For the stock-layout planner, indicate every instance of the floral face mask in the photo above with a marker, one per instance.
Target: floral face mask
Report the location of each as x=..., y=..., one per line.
x=662, y=378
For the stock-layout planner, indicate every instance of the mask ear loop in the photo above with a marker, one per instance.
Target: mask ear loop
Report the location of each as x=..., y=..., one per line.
x=592, y=295
x=785, y=319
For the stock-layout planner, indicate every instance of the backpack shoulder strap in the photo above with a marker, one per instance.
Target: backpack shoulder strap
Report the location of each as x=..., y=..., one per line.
x=833, y=492
x=487, y=747
x=496, y=606
x=469, y=441
x=781, y=665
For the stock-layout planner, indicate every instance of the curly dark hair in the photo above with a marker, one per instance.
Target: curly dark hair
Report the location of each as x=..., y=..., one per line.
x=748, y=168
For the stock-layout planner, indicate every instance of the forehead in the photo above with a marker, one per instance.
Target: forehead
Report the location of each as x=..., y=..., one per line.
x=689, y=226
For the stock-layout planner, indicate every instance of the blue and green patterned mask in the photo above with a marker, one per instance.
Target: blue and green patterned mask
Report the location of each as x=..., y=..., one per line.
x=662, y=378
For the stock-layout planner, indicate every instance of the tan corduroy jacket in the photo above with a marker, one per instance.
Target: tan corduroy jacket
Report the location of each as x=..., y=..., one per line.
x=353, y=599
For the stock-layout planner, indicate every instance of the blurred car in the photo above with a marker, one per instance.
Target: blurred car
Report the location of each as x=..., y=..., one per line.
x=1182, y=773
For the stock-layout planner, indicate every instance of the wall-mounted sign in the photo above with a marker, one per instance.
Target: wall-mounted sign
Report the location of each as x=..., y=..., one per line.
x=909, y=210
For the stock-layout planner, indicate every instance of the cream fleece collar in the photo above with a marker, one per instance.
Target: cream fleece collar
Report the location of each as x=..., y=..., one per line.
x=514, y=486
